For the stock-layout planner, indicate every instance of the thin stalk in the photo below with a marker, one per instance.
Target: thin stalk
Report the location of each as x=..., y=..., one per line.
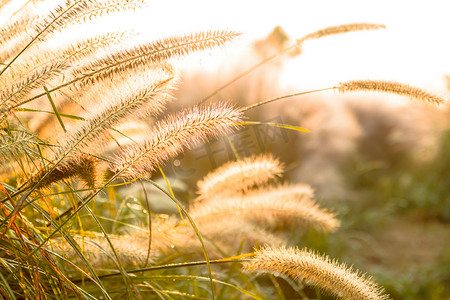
x=170, y=266
x=264, y=61
x=287, y=96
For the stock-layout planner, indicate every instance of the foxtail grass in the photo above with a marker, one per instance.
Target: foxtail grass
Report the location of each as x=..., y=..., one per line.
x=316, y=270
x=83, y=166
x=332, y=30
x=170, y=136
x=101, y=94
x=274, y=209
x=154, y=96
x=239, y=176
x=390, y=87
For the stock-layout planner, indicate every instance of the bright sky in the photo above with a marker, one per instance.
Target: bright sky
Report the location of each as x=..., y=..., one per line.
x=414, y=48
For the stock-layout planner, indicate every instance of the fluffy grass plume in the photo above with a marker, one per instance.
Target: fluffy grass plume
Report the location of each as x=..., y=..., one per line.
x=150, y=53
x=84, y=167
x=14, y=28
x=239, y=176
x=342, y=29
x=170, y=136
x=149, y=97
x=316, y=270
x=71, y=54
x=273, y=209
x=390, y=87
x=233, y=235
x=16, y=91
x=74, y=12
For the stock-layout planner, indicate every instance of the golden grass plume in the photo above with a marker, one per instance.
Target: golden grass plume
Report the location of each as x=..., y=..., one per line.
x=390, y=87
x=239, y=176
x=144, y=98
x=84, y=167
x=150, y=53
x=316, y=270
x=342, y=29
x=275, y=208
x=170, y=137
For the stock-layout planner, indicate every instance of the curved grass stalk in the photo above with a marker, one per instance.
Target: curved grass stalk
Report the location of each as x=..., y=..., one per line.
x=44, y=240
x=286, y=96
x=286, y=126
x=297, y=45
x=58, y=227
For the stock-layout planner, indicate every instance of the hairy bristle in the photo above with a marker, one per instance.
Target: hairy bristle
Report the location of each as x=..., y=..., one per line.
x=132, y=248
x=15, y=92
x=342, y=29
x=14, y=35
x=124, y=103
x=14, y=143
x=74, y=12
x=71, y=53
x=100, y=9
x=316, y=270
x=14, y=29
x=281, y=207
x=84, y=167
x=172, y=135
x=239, y=176
x=390, y=87
x=155, y=52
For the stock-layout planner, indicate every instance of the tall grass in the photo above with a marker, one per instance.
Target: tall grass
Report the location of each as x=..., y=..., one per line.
x=65, y=230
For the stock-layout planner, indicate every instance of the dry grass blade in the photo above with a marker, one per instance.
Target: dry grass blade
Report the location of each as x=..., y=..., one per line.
x=390, y=87
x=15, y=142
x=239, y=176
x=316, y=270
x=172, y=135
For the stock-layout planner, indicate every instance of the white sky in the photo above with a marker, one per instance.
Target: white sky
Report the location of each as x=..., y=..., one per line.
x=414, y=49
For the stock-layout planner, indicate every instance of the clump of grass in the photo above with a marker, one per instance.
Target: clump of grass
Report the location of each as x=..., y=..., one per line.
x=50, y=250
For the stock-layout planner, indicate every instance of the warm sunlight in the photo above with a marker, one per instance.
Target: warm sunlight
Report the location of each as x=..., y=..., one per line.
x=161, y=149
